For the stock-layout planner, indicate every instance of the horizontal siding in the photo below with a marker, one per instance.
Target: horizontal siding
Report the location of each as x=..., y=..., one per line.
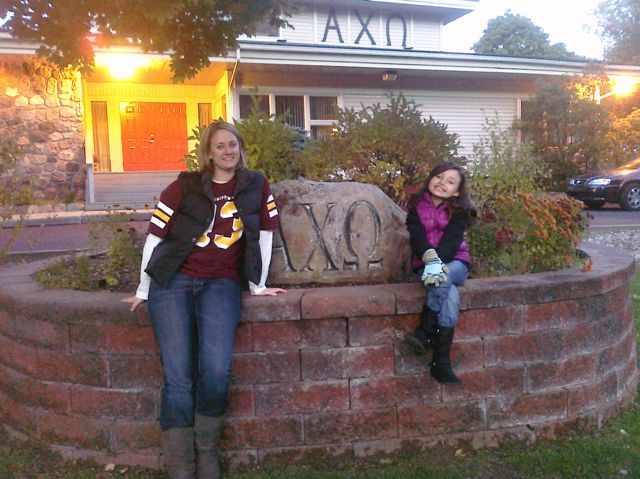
x=426, y=34
x=310, y=23
x=463, y=113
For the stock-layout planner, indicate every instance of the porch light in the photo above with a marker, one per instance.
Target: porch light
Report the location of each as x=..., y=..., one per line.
x=622, y=86
x=121, y=65
x=390, y=75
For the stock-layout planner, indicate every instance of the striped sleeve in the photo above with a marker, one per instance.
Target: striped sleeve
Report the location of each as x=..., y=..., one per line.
x=163, y=214
x=270, y=219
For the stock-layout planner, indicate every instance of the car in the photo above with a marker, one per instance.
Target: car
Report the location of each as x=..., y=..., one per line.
x=620, y=185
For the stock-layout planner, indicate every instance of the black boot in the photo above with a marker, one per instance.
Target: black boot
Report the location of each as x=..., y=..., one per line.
x=441, y=365
x=178, y=452
x=422, y=338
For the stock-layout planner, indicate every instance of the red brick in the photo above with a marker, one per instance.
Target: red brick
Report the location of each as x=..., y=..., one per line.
x=347, y=301
x=431, y=419
x=17, y=415
x=113, y=338
x=253, y=368
x=307, y=455
x=488, y=382
x=409, y=297
x=24, y=358
x=380, y=329
x=492, y=292
x=136, y=435
x=241, y=401
x=526, y=409
x=85, y=369
x=380, y=448
x=562, y=373
x=135, y=371
x=32, y=392
x=417, y=389
x=369, y=393
x=243, y=341
x=114, y=403
x=541, y=316
x=289, y=335
x=150, y=460
x=7, y=352
x=300, y=397
x=76, y=431
x=488, y=439
x=613, y=299
x=347, y=426
x=43, y=333
x=7, y=325
x=240, y=459
x=560, y=285
x=262, y=432
x=284, y=307
x=512, y=350
x=618, y=354
x=465, y=355
x=628, y=376
x=318, y=364
x=490, y=322
x=585, y=397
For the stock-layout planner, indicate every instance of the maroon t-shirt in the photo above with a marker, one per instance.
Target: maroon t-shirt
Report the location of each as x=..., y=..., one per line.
x=218, y=251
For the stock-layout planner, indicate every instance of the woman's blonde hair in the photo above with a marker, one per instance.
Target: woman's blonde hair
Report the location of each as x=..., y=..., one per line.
x=204, y=154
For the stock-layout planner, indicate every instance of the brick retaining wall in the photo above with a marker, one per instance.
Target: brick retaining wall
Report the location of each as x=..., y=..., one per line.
x=320, y=374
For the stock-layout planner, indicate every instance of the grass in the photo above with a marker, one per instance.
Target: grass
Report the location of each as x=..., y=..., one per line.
x=612, y=452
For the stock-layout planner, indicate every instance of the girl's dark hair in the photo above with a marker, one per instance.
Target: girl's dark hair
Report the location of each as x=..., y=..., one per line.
x=455, y=204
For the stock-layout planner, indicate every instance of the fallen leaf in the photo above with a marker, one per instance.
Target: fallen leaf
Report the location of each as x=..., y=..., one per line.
x=623, y=432
x=624, y=472
x=459, y=453
x=110, y=467
x=385, y=461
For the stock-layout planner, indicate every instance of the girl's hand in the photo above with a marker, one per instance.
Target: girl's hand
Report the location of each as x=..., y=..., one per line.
x=135, y=302
x=271, y=292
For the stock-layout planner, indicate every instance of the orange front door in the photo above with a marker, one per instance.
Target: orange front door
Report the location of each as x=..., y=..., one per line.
x=154, y=136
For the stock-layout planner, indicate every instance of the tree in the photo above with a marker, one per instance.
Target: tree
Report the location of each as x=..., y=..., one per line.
x=567, y=131
x=190, y=30
x=620, y=22
x=513, y=34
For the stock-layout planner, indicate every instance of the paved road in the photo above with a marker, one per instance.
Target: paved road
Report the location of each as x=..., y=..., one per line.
x=613, y=216
x=75, y=237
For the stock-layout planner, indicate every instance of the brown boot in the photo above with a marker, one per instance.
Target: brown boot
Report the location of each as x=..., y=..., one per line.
x=178, y=452
x=208, y=430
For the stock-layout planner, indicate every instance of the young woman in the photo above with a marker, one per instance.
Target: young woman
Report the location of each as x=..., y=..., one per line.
x=438, y=216
x=210, y=229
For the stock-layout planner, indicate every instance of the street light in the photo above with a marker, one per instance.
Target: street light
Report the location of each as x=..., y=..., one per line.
x=623, y=86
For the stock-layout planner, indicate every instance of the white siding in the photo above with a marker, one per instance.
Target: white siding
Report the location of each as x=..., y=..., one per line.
x=311, y=22
x=427, y=34
x=303, y=21
x=464, y=113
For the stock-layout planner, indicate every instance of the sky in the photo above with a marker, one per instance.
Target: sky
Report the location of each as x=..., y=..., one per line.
x=566, y=21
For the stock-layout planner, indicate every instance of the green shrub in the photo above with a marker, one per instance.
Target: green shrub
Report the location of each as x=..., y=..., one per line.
x=391, y=146
x=502, y=166
x=524, y=233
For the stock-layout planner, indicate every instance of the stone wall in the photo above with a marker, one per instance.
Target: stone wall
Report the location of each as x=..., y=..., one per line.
x=41, y=112
x=321, y=374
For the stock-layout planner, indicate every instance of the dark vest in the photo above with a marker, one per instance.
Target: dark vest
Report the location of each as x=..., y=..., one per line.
x=194, y=215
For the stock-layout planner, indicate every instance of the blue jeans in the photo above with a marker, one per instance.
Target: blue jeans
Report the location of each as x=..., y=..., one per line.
x=195, y=323
x=445, y=299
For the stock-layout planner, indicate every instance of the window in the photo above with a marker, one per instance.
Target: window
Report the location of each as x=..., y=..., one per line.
x=204, y=114
x=315, y=114
x=292, y=108
x=247, y=104
x=265, y=29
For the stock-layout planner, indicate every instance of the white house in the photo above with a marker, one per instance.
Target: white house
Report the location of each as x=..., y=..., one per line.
x=345, y=53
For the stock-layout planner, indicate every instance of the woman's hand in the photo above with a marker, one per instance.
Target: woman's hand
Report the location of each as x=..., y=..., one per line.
x=135, y=302
x=271, y=292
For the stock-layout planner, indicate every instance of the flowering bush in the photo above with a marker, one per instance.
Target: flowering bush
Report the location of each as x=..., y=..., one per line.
x=524, y=233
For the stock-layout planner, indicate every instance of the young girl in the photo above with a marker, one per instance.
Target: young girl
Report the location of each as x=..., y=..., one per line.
x=438, y=216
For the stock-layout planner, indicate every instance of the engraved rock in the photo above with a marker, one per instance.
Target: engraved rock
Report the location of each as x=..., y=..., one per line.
x=337, y=233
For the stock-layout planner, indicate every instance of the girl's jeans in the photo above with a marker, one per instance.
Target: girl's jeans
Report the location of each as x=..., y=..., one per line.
x=195, y=323
x=445, y=299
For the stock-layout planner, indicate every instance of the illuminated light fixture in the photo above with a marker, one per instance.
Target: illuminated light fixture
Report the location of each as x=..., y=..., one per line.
x=121, y=65
x=390, y=75
x=623, y=86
